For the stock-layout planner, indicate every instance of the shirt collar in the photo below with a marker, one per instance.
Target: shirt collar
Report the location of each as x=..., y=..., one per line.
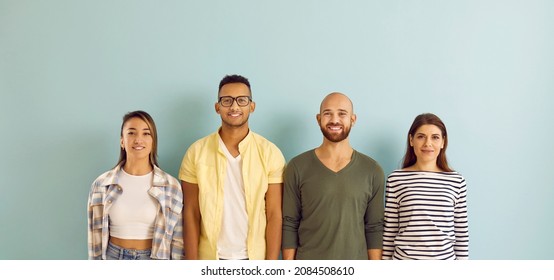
x=159, y=178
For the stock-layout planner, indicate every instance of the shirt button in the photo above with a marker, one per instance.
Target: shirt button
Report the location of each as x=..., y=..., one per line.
x=110, y=201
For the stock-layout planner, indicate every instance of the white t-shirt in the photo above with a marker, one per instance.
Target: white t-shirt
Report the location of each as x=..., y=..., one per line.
x=234, y=228
x=133, y=214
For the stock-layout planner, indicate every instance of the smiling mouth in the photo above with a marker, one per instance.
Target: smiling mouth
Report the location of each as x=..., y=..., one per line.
x=334, y=128
x=138, y=148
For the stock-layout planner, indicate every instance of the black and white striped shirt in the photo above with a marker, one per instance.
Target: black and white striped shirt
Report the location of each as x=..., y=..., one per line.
x=425, y=216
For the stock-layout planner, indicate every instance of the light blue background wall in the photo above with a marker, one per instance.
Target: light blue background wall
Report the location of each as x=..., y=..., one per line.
x=69, y=70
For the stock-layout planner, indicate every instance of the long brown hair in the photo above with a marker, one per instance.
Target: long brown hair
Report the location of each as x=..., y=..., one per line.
x=427, y=118
x=154, y=133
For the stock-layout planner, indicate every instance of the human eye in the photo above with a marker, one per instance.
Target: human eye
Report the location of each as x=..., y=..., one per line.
x=130, y=133
x=226, y=101
x=436, y=137
x=242, y=100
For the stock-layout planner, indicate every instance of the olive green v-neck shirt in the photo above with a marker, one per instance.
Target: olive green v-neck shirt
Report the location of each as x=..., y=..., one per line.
x=333, y=215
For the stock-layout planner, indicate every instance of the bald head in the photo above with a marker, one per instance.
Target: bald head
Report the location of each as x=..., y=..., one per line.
x=336, y=117
x=337, y=98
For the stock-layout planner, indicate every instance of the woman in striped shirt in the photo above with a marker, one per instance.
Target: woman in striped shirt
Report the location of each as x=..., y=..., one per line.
x=425, y=201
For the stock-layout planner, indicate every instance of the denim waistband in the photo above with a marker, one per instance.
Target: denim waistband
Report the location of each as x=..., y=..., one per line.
x=127, y=254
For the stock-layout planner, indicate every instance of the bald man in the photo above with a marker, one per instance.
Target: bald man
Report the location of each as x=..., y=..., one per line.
x=333, y=194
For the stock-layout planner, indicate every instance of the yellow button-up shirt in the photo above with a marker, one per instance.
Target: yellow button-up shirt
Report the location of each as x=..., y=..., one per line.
x=205, y=164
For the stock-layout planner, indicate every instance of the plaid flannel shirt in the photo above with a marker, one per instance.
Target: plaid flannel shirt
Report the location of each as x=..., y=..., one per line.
x=167, y=241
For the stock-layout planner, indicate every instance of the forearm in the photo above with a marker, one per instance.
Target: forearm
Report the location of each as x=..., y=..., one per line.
x=191, y=237
x=289, y=254
x=273, y=235
x=374, y=254
x=191, y=221
x=274, y=223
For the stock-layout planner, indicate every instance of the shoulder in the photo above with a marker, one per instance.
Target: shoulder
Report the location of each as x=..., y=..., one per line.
x=102, y=177
x=398, y=173
x=267, y=149
x=206, y=140
x=263, y=142
x=455, y=176
x=170, y=183
x=204, y=144
x=301, y=164
x=303, y=157
x=368, y=161
x=105, y=179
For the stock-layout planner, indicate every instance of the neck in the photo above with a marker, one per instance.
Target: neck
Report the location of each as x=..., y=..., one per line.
x=335, y=150
x=426, y=166
x=137, y=166
x=334, y=156
x=232, y=136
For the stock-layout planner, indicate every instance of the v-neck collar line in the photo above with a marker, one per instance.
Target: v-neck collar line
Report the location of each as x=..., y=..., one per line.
x=354, y=155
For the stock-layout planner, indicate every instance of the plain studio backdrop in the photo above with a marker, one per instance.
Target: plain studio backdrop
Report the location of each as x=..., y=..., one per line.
x=69, y=71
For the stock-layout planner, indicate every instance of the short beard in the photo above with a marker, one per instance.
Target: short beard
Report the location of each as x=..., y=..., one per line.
x=335, y=138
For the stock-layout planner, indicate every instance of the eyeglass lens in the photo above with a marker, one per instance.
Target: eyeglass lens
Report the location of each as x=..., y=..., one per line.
x=227, y=101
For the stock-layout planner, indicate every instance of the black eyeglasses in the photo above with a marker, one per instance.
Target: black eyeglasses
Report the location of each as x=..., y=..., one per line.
x=227, y=101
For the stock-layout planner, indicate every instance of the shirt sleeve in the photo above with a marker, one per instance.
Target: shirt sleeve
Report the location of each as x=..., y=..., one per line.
x=177, y=240
x=461, y=247
x=291, y=208
x=391, y=222
x=374, y=212
x=94, y=232
x=276, y=166
x=187, y=171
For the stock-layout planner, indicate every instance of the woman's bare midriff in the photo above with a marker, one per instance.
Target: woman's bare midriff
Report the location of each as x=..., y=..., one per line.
x=133, y=244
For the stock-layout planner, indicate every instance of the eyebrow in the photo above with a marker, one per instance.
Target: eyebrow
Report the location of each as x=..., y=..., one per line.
x=222, y=96
x=136, y=129
x=421, y=133
x=340, y=110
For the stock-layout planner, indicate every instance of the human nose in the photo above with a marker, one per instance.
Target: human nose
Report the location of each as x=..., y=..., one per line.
x=235, y=104
x=335, y=118
x=427, y=142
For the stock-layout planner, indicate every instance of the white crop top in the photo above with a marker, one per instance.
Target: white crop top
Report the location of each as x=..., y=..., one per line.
x=133, y=214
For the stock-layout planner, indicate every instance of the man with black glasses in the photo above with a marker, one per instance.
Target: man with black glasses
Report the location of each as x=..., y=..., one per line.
x=232, y=181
